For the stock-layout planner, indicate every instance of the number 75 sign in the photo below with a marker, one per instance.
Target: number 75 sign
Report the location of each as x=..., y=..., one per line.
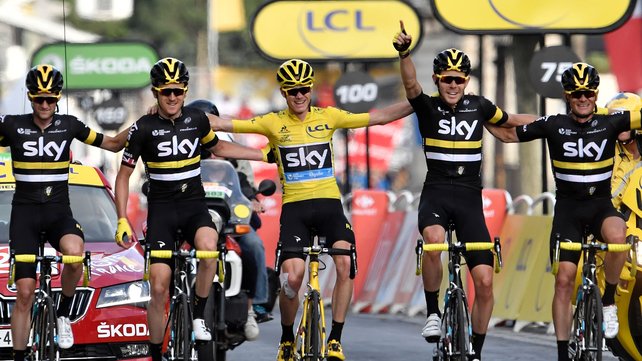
x=546, y=70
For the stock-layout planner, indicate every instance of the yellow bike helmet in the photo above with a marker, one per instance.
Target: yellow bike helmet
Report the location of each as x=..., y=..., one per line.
x=451, y=59
x=44, y=79
x=295, y=73
x=168, y=71
x=625, y=101
x=580, y=76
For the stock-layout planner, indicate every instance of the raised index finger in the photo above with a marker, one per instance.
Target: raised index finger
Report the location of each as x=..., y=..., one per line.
x=403, y=28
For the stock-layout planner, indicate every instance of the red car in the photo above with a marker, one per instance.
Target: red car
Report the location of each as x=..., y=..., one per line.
x=108, y=317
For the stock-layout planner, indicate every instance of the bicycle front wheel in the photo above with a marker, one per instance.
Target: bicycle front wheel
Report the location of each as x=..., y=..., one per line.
x=311, y=350
x=181, y=334
x=460, y=327
x=594, y=332
x=43, y=331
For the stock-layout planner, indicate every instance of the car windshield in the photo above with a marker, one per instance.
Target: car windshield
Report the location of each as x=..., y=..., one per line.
x=92, y=207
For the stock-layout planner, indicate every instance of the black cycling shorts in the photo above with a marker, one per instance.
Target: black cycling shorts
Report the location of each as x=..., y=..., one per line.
x=302, y=220
x=442, y=204
x=572, y=216
x=165, y=219
x=28, y=221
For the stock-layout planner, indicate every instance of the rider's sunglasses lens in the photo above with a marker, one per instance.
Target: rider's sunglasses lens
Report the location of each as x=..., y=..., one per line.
x=169, y=91
x=447, y=79
x=586, y=93
x=295, y=91
x=49, y=100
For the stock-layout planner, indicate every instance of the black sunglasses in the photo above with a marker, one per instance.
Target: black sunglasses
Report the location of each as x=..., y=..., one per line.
x=447, y=79
x=40, y=100
x=578, y=94
x=169, y=91
x=295, y=91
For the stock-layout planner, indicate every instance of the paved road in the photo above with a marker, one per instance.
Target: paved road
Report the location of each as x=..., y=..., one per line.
x=391, y=338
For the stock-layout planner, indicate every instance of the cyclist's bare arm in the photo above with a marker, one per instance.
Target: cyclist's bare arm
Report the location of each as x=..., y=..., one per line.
x=407, y=67
x=390, y=113
x=515, y=120
x=506, y=135
x=232, y=150
x=116, y=143
x=219, y=124
x=122, y=189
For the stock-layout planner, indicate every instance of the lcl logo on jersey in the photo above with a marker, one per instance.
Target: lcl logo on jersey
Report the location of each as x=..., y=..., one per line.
x=39, y=148
x=174, y=147
x=452, y=127
x=581, y=150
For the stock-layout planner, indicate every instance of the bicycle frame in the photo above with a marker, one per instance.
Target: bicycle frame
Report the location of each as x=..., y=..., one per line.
x=310, y=341
x=455, y=342
x=587, y=333
x=43, y=333
x=182, y=342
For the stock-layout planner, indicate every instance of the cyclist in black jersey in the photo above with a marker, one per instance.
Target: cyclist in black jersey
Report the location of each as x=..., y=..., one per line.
x=40, y=156
x=582, y=146
x=451, y=125
x=169, y=143
x=301, y=139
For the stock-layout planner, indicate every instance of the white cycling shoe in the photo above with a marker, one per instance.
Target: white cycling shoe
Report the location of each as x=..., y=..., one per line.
x=65, y=334
x=611, y=323
x=201, y=331
x=432, y=328
x=251, y=328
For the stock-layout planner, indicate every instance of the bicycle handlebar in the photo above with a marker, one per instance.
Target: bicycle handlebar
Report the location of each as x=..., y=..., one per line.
x=457, y=247
x=594, y=245
x=64, y=259
x=184, y=254
x=318, y=250
x=568, y=246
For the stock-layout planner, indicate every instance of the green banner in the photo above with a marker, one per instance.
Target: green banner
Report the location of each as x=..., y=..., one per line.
x=117, y=65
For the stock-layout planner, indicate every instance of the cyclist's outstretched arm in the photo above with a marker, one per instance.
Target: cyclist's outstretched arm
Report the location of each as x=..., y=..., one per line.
x=219, y=124
x=116, y=143
x=232, y=150
x=402, y=40
x=515, y=120
x=506, y=135
x=390, y=113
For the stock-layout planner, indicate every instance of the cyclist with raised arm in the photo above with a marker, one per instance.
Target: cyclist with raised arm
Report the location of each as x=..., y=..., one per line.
x=169, y=143
x=40, y=156
x=582, y=146
x=451, y=125
x=301, y=139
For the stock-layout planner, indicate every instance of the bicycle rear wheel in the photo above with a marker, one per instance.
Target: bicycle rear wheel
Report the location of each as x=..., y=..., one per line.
x=311, y=340
x=43, y=331
x=180, y=347
x=594, y=332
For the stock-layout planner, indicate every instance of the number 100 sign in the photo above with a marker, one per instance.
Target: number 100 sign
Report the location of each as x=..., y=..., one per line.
x=356, y=92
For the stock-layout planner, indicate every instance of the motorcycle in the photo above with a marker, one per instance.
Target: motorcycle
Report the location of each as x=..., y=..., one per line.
x=227, y=307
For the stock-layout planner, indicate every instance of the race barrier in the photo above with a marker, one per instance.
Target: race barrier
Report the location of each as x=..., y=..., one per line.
x=385, y=227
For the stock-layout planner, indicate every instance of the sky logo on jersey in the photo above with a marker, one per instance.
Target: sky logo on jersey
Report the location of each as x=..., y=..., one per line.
x=582, y=150
x=176, y=147
x=307, y=163
x=452, y=127
x=39, y=148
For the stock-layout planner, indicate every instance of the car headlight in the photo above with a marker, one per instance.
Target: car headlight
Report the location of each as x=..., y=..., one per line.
x=132, y=293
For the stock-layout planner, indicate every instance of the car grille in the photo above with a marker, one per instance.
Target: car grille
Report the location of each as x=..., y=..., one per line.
x=79, y=304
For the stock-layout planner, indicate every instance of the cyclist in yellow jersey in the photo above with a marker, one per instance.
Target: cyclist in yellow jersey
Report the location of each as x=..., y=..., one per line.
x=301, y=139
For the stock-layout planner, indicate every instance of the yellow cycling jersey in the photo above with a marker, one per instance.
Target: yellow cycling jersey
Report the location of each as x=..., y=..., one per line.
x=303, y=149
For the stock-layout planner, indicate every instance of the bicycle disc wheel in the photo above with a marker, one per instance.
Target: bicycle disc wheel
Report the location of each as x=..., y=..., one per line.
x=593, y=333
x=181, y=333
x=460, y=327
x=312, y=342
x=43, y=329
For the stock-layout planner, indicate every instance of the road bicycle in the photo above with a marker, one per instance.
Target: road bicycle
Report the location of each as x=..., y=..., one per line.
x=310, y=340
x=587, y=330
x=456, y=330
x=182, y=342
x=43, y=336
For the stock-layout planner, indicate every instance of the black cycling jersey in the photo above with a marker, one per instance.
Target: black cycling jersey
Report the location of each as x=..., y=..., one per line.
x=452, y=138
x=581, y=153
x=40, y=158
x=171, y=151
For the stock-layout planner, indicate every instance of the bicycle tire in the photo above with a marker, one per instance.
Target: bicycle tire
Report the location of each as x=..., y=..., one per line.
x=460, y=327
x=312, y=343
x=594, y=332
x=181, y=346
x=43, y=326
